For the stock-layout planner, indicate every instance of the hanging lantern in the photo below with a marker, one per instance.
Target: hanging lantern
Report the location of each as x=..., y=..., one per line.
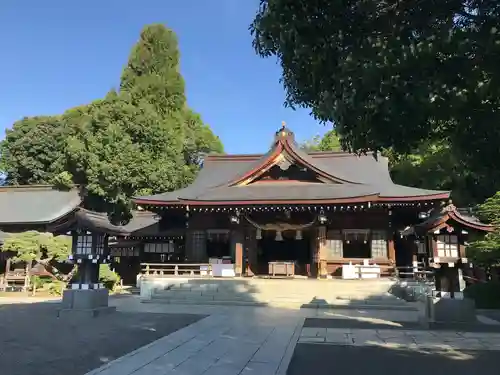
x=279, y=237
x=258, y=234
x=298, y=235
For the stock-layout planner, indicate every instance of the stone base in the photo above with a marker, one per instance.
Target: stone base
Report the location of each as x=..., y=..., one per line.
x=88, y=302
x=448, y=311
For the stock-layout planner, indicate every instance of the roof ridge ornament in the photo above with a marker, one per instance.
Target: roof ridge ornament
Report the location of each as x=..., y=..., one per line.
x=284, y=133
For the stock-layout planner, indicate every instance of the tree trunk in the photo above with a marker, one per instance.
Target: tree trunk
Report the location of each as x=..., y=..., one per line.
x=71, y=273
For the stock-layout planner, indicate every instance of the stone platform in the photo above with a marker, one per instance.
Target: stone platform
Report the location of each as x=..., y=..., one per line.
x=285, y=293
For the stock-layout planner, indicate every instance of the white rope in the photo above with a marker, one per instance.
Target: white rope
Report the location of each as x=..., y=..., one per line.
x=280, y=226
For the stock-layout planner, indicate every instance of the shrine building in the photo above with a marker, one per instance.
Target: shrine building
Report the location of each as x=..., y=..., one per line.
x=292, y=212
x=285, y=213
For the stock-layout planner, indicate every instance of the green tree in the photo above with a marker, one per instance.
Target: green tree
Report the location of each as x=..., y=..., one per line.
x=328, y=142
x=118, y=150
x=153, y=72
x=43, y=248
x=310, y=144
x=199, y=140
x=437, y=166
x=33, y=150
x=429, y=166
x=486, y=251
x=393, y=74
x=153, y=75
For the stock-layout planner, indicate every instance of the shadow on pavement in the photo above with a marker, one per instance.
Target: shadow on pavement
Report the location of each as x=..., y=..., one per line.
x=320, y=358
x=34, y=340
x=358, y=360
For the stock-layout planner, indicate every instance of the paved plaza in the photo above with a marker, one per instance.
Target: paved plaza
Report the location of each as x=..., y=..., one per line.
x=234, y=340
x=243, y=340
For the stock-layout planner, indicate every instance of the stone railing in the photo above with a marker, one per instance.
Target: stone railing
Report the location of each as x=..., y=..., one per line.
x=178, y=269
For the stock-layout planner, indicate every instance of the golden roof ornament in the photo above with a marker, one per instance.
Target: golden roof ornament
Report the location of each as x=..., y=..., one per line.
x=283, y=131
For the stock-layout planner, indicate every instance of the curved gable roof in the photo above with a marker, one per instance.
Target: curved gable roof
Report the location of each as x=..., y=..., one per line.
x=284, y=142
x=225, y=178
x=440, y=219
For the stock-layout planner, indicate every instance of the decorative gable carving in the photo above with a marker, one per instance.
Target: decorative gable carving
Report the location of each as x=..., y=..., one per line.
x=287, y=171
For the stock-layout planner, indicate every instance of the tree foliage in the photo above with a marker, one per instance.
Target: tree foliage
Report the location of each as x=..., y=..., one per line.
x=33, y=150
x=118, y=150
x=141, y=139
x=36, y=246
x=437, y=166
x=328, y=142
x=393, y=74
x=486, y=251
x=429, y=166
x=152, y=73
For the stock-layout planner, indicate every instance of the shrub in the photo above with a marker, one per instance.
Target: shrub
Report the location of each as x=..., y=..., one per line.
x=109, y=278
x=486, y=295
x=40, y=282
x=55, y=287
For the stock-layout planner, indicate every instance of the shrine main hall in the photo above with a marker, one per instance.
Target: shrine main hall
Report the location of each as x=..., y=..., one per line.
x=292, y=211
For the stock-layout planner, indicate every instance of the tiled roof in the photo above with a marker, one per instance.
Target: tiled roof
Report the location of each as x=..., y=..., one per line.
x=98, y=222
x=358, y=176
x=36, y=204
x=441, y=217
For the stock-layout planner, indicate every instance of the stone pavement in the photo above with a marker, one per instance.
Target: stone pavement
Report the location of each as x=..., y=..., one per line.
x=248, y=340
x=402, y=339
x=258, y=340
x=218, y=345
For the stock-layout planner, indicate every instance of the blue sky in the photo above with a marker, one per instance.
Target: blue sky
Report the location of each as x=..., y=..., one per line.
x=57, y=54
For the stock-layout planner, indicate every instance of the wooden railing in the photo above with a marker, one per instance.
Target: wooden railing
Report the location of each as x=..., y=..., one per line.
x=418, y=273
x=180, y=269
x=14, y=279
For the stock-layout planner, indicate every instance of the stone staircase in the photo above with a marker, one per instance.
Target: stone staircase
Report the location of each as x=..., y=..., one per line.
x=284, y=293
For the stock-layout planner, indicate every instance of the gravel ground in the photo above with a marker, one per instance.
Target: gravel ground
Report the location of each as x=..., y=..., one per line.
x=33, y=341
x=352, y=360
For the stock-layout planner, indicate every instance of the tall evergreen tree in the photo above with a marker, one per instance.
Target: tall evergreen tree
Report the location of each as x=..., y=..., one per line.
x=153, y=74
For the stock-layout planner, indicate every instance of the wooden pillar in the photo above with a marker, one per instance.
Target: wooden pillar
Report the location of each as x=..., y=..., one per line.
x=237, y=240
x=433, y=244
x=316, y=251
x=7, y=269
x=391, y=250
x=461, y=246
x=251, y=252
x=322, y=270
